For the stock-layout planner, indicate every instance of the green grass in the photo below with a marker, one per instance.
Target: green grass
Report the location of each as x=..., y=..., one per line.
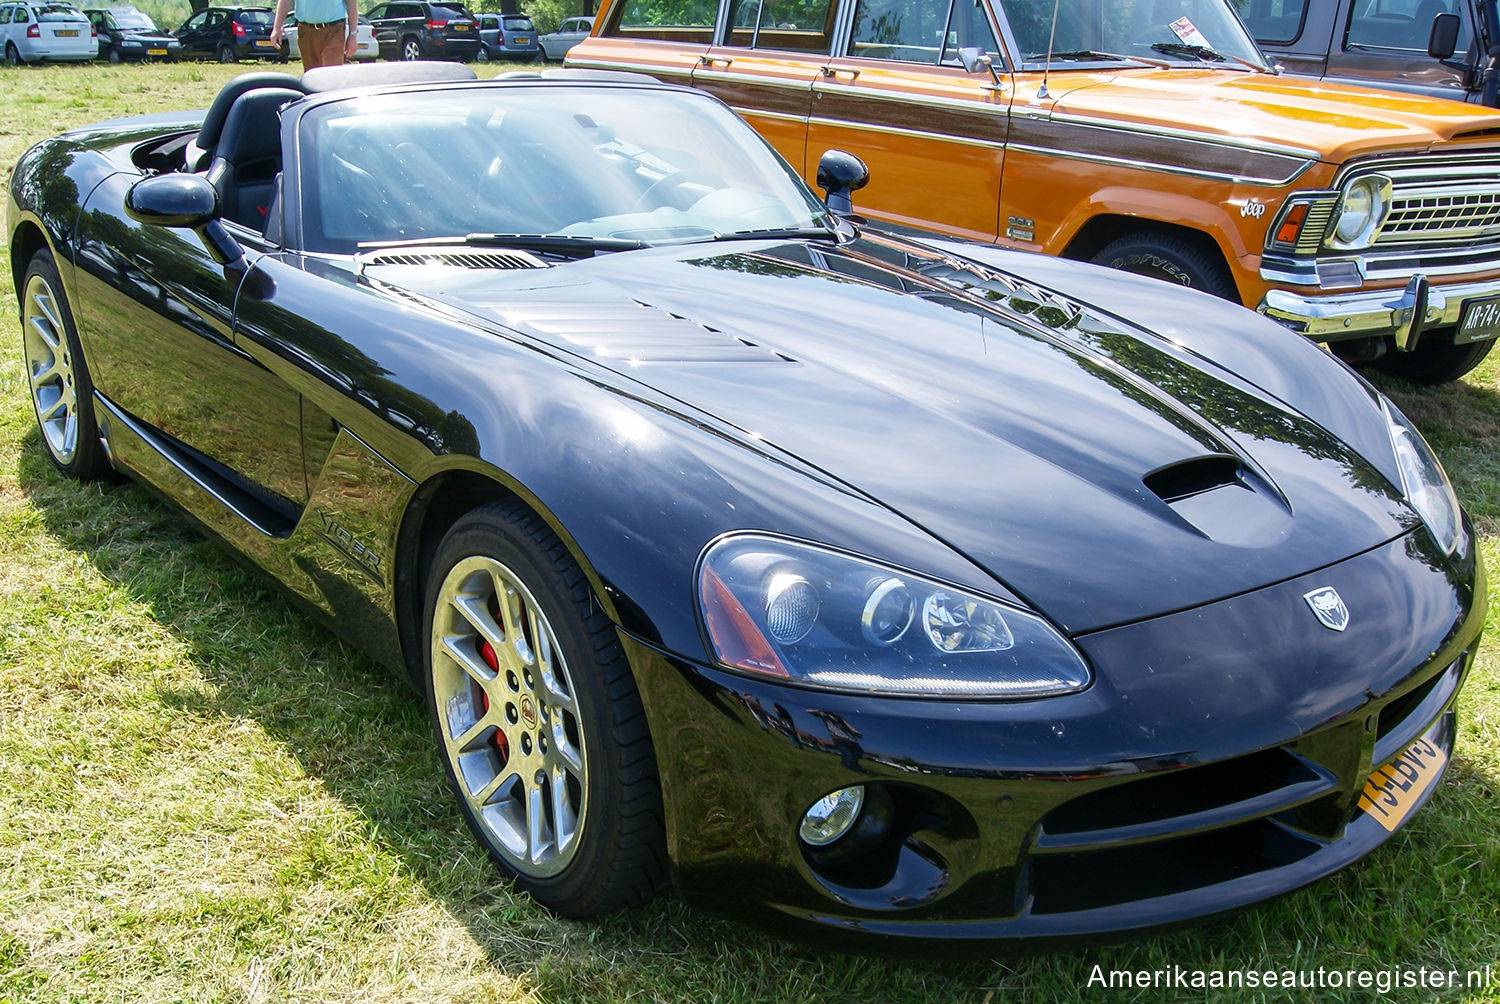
x=205, y=797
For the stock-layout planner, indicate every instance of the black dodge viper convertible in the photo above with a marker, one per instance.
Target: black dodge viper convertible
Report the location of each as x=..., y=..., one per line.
x=860, y=583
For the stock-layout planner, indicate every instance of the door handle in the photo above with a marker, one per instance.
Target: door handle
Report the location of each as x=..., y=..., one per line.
x=707, y=60
x=834, y=71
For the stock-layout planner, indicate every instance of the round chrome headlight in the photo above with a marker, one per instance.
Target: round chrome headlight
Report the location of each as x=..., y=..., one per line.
x=1362, y=212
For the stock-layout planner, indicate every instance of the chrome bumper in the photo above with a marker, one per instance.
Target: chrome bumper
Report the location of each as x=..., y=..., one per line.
x=1377, y=312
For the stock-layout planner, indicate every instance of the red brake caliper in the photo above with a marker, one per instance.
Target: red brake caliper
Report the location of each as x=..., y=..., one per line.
x=487, y=653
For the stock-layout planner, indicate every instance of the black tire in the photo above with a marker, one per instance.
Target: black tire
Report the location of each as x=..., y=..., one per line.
x=411, y=50
x=1436, y=360
x=113, y=56
x=575, y=708
x=1171, y=258
x=57, y=374
x=482, y=56
x=227, y=54
x=12, y=54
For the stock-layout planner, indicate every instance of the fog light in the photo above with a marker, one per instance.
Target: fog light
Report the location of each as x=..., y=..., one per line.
x=831, y=816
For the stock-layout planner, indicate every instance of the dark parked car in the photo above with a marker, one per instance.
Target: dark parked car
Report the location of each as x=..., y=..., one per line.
x=507, y=36
x=229, y=34
x=1380, y=43
x=410, y=31
x=885, y=587
x=129, y=35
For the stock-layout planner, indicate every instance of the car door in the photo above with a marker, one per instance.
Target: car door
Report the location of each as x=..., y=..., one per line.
x=5, y=15
x=156, y=315
x=769, y=54
x=191, y=34
x=1384, y=44
x=933, y=134
x=1296, y=33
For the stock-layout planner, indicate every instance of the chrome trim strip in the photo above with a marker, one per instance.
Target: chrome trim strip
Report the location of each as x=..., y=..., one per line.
x=1099, y=158
x=760, y=114
x=977, y=106
x=753, y=78
x=912, y=133
x=1375, y=312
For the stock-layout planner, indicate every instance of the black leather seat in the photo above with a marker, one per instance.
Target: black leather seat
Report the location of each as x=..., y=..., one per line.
x=247, y=157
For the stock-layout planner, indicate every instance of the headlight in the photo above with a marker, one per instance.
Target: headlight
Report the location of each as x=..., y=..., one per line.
x=1361, y=212
x=801, y=613
x=1423, y=482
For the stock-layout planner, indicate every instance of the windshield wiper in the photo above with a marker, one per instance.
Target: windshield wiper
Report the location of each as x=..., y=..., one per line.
x=1094, y=54
x=778, y=233
x=1203, y=52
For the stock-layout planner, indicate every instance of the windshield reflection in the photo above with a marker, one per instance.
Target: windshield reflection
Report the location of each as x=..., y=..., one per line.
x=1156, y=31
x=594, y=163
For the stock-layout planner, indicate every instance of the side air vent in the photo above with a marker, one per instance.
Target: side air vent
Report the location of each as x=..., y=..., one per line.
x=504, y=258
x=1193, y=477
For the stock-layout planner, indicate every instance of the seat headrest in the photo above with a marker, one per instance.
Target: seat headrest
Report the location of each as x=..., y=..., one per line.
x=213, y=121
x=252, y=130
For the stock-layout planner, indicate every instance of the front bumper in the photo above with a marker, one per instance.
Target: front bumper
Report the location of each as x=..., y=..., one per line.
x=1217, y=761
x=1380, y=312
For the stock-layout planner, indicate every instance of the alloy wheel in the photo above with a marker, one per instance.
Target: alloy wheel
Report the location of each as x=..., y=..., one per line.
x=49, y=366
x=508, y=718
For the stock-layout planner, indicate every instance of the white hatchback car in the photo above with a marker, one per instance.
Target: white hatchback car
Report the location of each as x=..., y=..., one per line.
x=365, y=48
x=33, y=32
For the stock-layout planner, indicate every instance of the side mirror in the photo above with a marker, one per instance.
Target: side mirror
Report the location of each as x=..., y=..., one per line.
x=183, y=200
x=1443, y=41
x=840, y=174
x=974, y=59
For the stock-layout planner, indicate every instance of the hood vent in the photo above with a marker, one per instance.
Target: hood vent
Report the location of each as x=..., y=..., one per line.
x=503, y=258
x=1193, y=477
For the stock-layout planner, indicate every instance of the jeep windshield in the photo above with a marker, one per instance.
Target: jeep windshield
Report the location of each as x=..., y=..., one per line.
x=1132, y=33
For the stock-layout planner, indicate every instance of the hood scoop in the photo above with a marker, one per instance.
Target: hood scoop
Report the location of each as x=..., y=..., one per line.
x=1221, y=498
x=502, y=258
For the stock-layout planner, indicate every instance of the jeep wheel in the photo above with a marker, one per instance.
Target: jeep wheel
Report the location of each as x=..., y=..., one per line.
x=1173, y=259
x=411, y=50
x=1435, y=360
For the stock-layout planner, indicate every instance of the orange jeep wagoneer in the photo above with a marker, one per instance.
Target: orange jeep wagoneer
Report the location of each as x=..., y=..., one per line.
x=1146, y=134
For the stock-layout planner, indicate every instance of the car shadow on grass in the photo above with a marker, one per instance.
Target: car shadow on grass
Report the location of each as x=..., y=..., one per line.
x=362, y=733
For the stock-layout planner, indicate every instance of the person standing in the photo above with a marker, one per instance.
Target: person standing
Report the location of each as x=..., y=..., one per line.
x=327, y=30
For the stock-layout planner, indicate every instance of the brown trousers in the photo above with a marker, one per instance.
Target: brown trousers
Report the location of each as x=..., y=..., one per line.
x=321, y=46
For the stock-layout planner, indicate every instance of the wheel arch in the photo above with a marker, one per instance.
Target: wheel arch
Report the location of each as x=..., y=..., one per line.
x=438, y=502
x=26, y=241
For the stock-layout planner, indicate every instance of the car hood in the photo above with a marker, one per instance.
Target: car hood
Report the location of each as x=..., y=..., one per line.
x=1260, y=109
x=1064, y=452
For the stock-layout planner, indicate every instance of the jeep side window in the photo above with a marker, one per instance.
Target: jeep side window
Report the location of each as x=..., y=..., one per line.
x=801, y=25
x=920, y=31
x=1275, y=22
x=670, y=20
x=1402, y=24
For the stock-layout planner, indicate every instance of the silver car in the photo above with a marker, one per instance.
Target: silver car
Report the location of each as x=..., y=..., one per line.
x=555, y=45
x=34, y=32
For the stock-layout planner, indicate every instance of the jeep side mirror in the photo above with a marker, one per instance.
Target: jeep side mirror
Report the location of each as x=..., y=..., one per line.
x=839, y=175
x=1443, y=41
x=974, y=60
x=187, y=201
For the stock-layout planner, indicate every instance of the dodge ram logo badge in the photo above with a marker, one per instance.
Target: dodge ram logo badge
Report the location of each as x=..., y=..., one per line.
x=1328, y=606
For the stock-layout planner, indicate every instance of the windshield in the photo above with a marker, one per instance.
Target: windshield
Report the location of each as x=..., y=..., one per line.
x=128, y=18
x=55, y=12
x=517, y=24
x=1187, y=31
x=253, y=17
x=612, y=163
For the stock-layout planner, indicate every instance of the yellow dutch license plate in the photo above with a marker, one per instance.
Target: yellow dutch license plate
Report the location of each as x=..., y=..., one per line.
x=156, y=52
x=263, y=43
x=523, y=41
x=1392, y=791
x=67, y=33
